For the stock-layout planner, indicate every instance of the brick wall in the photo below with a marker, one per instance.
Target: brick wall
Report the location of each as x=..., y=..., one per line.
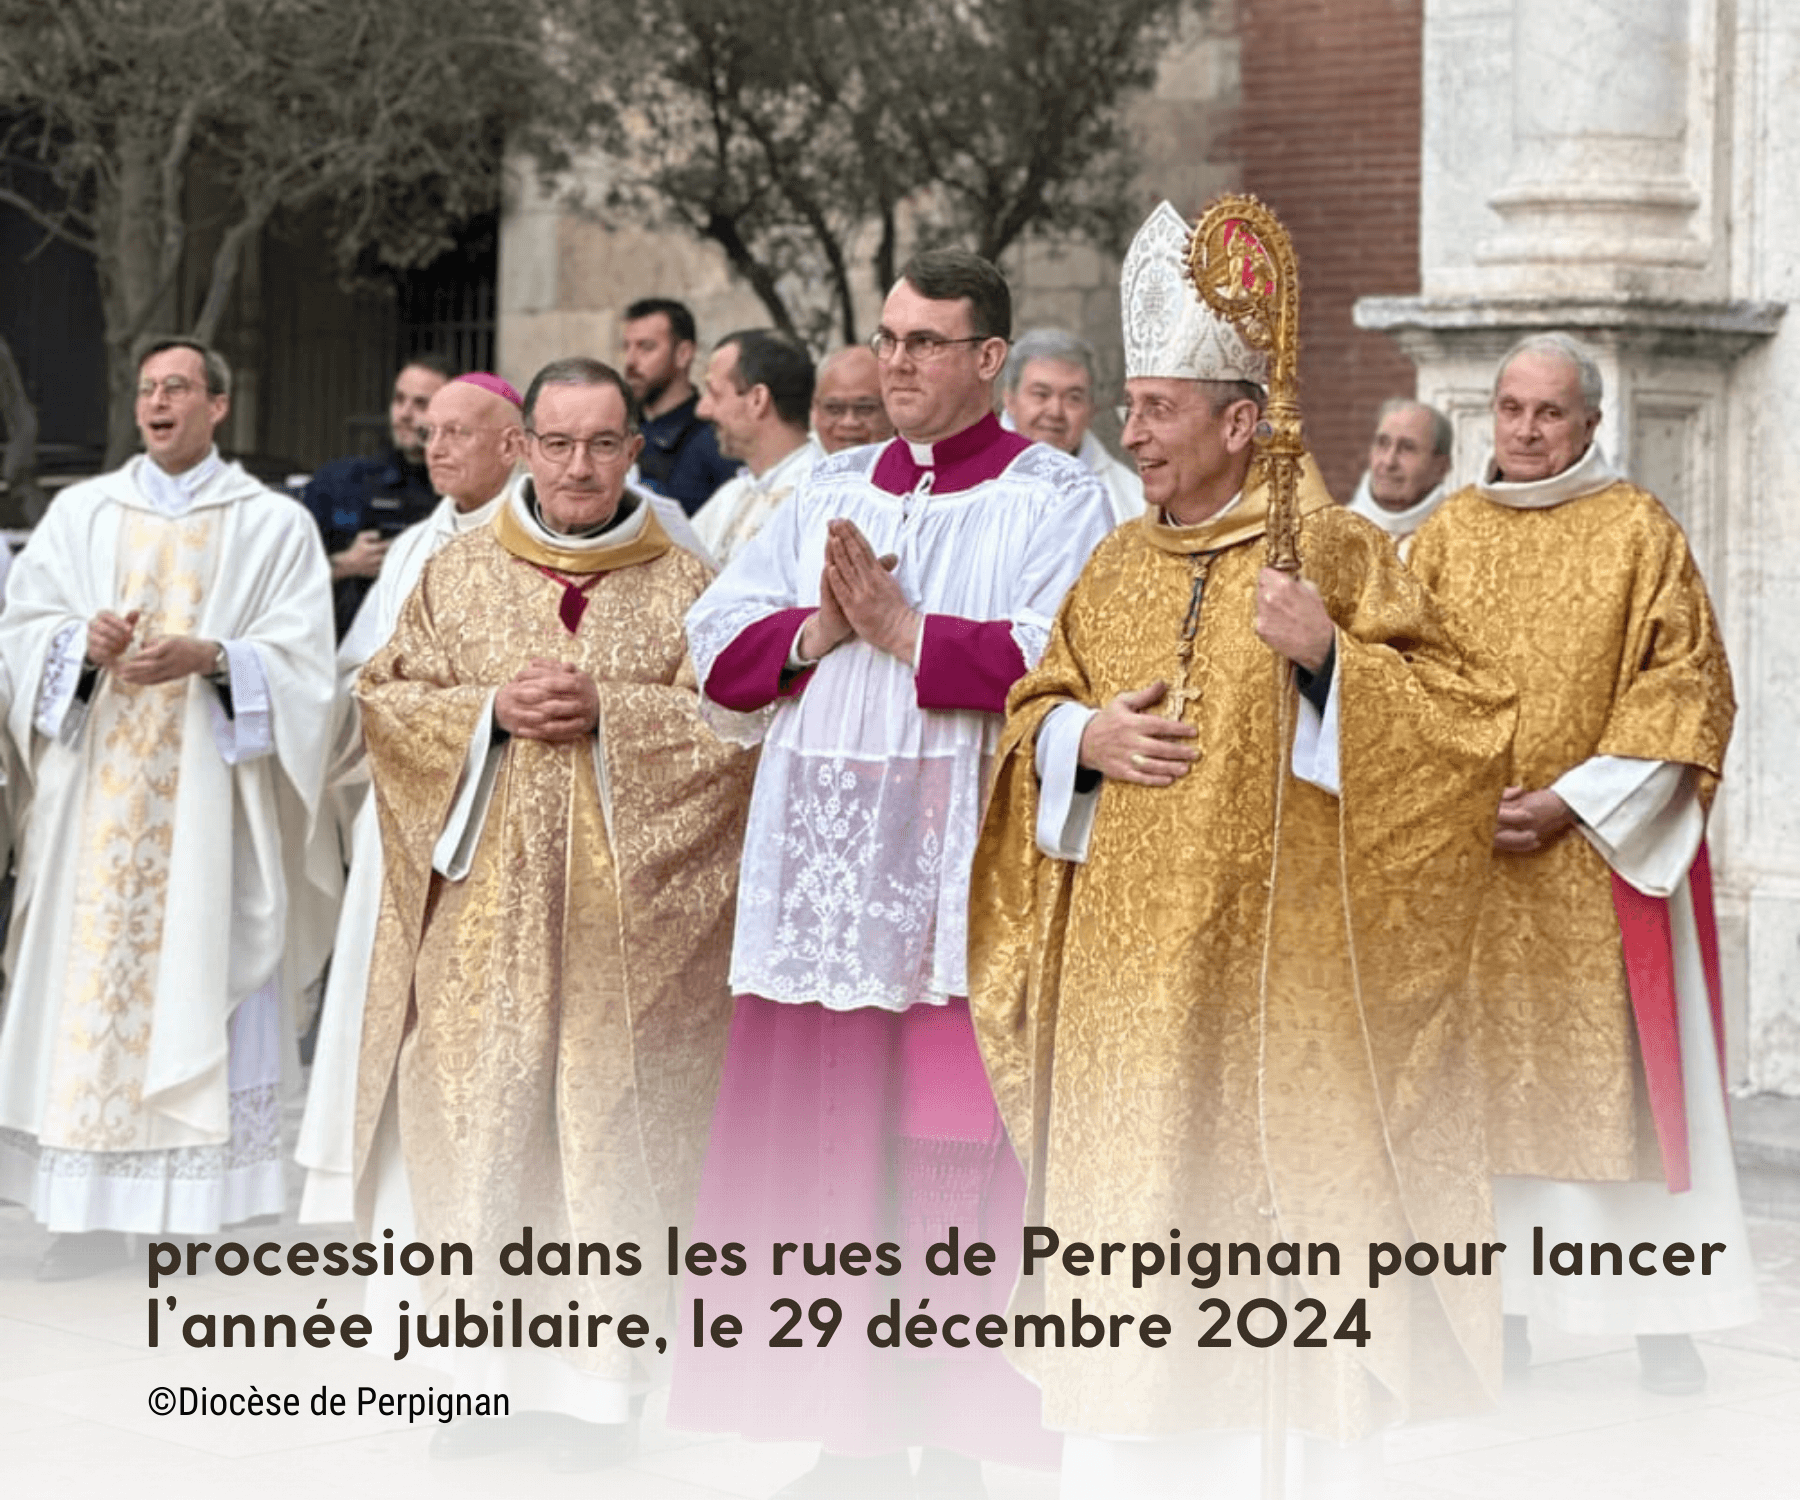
x=1328, y=136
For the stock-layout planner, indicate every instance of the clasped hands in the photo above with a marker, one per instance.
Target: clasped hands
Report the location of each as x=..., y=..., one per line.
x=859, y=596
x=1124, y=741
x=548, y=700
x=164, y=659
x=1530, y=821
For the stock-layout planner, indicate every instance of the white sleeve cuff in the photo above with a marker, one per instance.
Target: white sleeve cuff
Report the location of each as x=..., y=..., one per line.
x=1065, y=816
x=248, y=731
x=56, y=689
x=1642, y=816
x=1316, y=739
x=795, y=661
x=602, y=781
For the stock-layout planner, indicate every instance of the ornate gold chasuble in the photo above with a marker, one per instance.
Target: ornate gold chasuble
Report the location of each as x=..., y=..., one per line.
x=551, y=1025
x=126, y=834
x=1179, y=1043
x=1601, y=617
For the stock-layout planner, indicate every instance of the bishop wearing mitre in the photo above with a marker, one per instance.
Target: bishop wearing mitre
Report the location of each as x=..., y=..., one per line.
x=1219, y=925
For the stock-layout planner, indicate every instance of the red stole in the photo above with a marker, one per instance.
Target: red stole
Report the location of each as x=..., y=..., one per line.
x=1647, y=940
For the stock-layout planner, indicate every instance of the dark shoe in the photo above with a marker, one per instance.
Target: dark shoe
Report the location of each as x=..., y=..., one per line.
x=1515, y=1354
x=1669, y=1364
x=577, y=1447
x=476, y=1437
x=73, y=1256
x=944, y=1475
x=837, y=1476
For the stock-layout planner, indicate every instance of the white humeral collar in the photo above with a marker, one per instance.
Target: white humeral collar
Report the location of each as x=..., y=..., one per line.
x=1163, y=519
x=173, y=494
x=615, y=531
x=1396, y=523
x=1588, y=475
x=472, y=520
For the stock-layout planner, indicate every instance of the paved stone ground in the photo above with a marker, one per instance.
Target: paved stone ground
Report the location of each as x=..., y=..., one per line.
x=75, y=1377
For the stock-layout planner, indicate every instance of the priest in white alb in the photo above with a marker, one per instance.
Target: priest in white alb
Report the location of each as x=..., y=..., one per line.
x=1409, y=465
x=474, y=440
x=757, y=391
x=168, y=631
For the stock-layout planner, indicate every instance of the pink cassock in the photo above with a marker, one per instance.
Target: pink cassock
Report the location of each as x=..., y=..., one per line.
x=864, y=1126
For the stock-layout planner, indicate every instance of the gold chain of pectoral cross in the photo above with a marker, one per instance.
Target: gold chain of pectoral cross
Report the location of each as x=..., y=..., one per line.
x=1183, y=692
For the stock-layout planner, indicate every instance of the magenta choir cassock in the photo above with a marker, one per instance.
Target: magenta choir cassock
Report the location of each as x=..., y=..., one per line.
x=854, y=1107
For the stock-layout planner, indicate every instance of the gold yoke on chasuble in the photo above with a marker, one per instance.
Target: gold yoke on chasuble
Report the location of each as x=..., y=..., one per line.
x=1601, y=617
x=1245, y=1016
x=134, y=735
x=551, y=1025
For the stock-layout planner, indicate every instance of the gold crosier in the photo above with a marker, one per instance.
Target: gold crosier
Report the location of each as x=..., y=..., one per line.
x=1241, y=262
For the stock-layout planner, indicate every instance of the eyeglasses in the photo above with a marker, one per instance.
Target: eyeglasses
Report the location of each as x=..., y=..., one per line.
x=844, y=411
x=559, y=447
x=1152, y=411
x=172, y=386
x=921, y=348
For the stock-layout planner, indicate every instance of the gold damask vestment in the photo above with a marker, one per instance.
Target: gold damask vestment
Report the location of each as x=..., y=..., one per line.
x=1603, y=621
x=552, y=1024
x=1176, y=1046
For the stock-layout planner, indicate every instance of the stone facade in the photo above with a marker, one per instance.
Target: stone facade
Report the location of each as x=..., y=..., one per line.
x=1619, y=172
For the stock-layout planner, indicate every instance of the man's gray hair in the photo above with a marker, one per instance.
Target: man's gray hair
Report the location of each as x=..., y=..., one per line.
x=1562, y=346
x=1220, y=394
x=1056, y=344
x=1443, y=435
x=218, y=373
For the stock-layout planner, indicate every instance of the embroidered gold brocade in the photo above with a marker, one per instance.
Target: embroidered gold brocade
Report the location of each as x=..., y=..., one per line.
x=103, y=1032
x=1120, y=1004
x=1603, y=621
x=553, y=1024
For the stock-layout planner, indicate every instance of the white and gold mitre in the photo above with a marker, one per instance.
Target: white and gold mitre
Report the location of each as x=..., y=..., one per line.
x=1169, y=331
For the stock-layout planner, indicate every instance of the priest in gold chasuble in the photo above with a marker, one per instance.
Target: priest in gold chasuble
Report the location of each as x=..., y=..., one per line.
x=1219, y=928
x=1596, y=964
x=547, y=1007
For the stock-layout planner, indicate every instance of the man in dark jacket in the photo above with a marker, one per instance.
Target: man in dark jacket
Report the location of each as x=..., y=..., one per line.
x=361, y=504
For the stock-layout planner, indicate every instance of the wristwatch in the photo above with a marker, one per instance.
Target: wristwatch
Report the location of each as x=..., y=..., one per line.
x=220, y=672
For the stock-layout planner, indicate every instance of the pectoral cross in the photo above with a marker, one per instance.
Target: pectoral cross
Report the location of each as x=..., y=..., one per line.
x=1181, y=692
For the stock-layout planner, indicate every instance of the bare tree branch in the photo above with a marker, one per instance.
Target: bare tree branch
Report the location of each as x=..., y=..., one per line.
x=44, y=221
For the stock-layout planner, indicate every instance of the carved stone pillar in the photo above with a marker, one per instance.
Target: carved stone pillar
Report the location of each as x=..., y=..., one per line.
x=1621, y=171
x=1610, y=145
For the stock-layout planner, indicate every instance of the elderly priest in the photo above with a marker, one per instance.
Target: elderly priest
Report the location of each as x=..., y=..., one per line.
x=1596, y=964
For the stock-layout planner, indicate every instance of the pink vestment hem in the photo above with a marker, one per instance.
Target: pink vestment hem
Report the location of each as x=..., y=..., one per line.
x=870, y=1127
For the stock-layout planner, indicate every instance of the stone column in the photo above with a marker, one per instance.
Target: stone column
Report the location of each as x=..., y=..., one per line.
x=1602, y=187
x=1618, y=171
